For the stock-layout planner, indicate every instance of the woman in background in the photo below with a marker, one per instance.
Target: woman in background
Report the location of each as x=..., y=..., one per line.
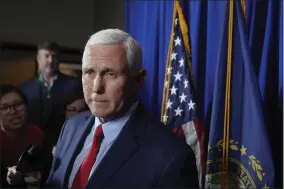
x=15, y=132
x=75, y=103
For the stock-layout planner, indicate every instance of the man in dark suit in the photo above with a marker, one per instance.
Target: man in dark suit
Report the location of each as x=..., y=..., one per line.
x=45, y=92
x=118, y=144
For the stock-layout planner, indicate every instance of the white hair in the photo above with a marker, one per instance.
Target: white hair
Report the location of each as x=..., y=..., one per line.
x=115, y=36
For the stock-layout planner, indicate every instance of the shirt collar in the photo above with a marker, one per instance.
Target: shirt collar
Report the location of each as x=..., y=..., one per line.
x=45, y=83
x=112, y=128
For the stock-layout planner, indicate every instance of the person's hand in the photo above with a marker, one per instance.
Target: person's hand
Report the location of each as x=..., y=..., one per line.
x=33, y=180
x=14, y=177
x=53, y=150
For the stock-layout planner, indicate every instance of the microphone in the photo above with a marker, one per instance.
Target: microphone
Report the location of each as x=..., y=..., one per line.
x=31, y=160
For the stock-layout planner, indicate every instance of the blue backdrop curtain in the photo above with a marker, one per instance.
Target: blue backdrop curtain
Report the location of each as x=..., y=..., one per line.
x=150, y=23
x=265, y=30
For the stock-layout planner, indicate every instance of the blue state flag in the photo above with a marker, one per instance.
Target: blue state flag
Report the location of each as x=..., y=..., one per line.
x=239, y=153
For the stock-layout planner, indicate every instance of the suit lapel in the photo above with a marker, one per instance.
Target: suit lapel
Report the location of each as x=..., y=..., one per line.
x=35, y=103
x=58, y=85
x=76, y=145
x=37, y=87
x=123, y=148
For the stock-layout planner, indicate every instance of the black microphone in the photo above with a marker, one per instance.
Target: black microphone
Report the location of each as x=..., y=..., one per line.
x=31, y=160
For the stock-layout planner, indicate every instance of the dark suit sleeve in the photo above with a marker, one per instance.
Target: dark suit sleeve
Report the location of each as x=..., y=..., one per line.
x=24, y=88
x=49, y=183
x=76, y=84
x=181, y=172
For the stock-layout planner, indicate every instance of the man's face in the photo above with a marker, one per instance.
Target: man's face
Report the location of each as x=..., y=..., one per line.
x=47, y=61
x=107, y=83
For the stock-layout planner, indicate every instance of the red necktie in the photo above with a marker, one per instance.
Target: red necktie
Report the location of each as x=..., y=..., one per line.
x=83, y=173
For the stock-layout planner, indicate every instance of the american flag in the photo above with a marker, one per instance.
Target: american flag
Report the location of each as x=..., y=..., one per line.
x=179, y=105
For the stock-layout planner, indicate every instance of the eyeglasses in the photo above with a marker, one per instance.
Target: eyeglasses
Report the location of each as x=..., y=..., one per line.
x=6, y=109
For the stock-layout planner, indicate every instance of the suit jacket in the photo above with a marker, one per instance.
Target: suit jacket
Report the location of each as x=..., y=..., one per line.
x=145, y=154
x=53, y=120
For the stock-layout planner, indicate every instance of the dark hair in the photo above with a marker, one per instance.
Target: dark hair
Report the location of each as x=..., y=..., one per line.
x=9, y=88
x=73, y=95
x=49, y=45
